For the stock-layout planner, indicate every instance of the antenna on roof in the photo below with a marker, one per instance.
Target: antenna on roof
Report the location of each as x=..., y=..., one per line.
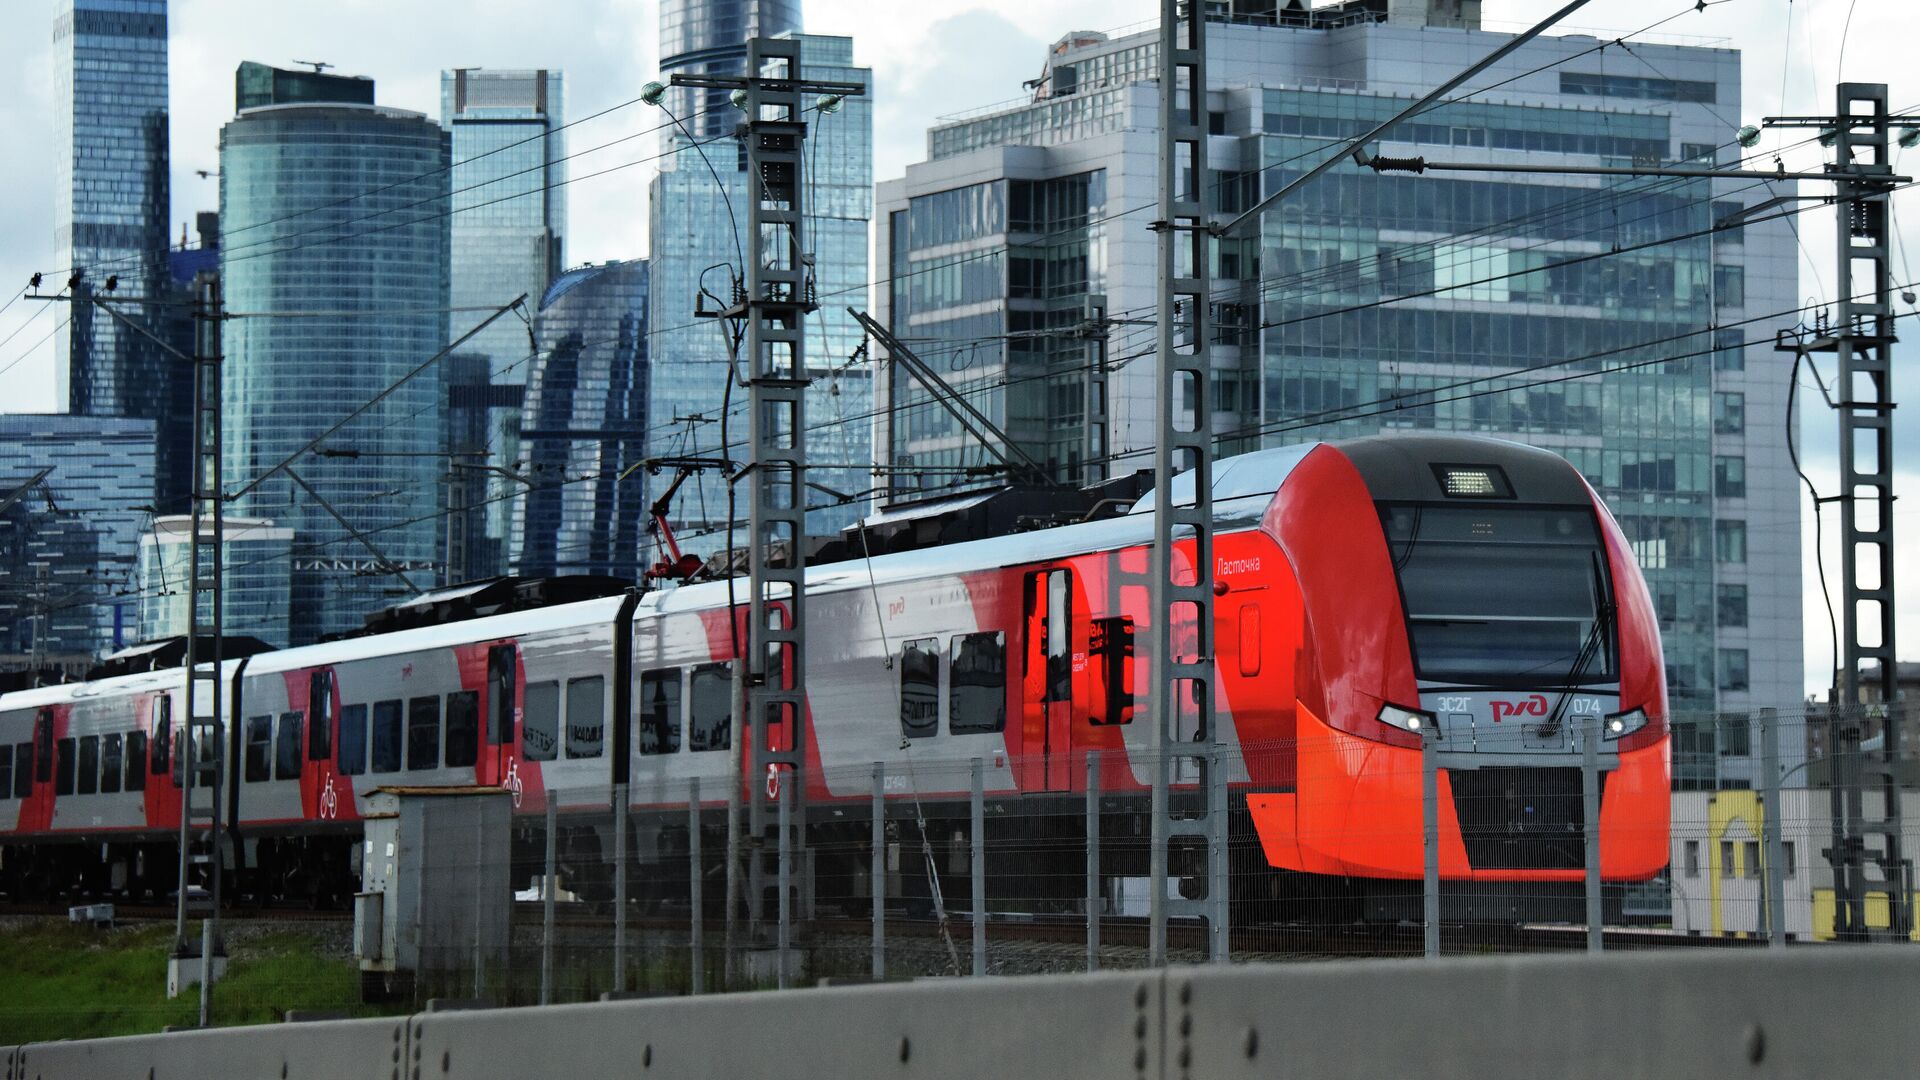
x=319, y=66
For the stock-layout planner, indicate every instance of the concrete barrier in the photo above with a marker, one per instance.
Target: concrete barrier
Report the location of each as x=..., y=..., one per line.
x=1815, y=1011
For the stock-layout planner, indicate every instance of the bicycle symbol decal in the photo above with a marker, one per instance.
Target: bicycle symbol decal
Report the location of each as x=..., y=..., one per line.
x=329, y=801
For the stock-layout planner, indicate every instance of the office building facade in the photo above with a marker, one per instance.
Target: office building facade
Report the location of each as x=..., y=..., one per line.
x=111, y=217
x=75, y=493
x=584, y=428
x=508, y=228
x=1365, y=302
x=371, y=274
x=256, y=578
x=696, y=247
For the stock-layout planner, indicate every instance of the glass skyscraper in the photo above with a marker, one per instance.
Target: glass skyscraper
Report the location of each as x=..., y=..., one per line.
x=1365, y=302
x=111, y=215
x=509, y=221
x=74, y=496
x=584, y=428
x=696, y=249
x=256, y=583
x=338, y=211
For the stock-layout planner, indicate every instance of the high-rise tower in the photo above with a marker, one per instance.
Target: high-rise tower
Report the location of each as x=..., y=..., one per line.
x=110, y=215
x=374, y=266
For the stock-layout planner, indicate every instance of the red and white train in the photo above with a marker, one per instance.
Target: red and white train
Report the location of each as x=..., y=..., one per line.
x=1371, y=593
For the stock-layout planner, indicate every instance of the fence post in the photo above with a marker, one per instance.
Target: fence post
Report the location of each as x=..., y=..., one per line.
x=1430, y=839
x=696, y=892
x=979, y=867
x=785, y=907
x=1770, y=823
x=1590, y=818
x=619, y=887
x=546, y=903
x=1093, y=860
x=877, y=875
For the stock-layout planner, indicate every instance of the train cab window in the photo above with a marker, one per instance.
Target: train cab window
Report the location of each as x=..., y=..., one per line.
x=259, y=749
x=110, y=756
x=43, y=746
x=463, y=728
x=423, y=734
x=136, y=761
x=320, y=708
x=86, y=780
x=63, y=767
x=540, y=724
x=1111, y=643
x=389, y=736
x=977, y=684
x=660, y=711
x=286, y=758
x=162, y=728
x=920, y=688
x=352, y=758
x=6, y=771
x=710, y=707
x=23, y=770
x=501, y=675
x=586, y=717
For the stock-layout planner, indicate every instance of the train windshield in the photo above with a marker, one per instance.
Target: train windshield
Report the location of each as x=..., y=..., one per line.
x=1503, y=596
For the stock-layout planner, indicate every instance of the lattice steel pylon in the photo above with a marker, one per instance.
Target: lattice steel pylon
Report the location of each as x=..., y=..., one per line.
x=1180, y=628
x=202, y=737
x=1861, y=339
x=780, y=292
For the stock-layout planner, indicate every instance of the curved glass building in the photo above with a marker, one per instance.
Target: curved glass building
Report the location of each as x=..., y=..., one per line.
x=584, y=427
x=337, y=211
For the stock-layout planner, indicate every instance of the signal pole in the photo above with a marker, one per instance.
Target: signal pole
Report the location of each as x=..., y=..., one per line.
x=1180, y=622
x=200, y=821
x=1861, y=339
x=779, y=294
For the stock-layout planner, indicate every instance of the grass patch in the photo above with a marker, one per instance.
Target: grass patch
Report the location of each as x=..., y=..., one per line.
x=74, y=982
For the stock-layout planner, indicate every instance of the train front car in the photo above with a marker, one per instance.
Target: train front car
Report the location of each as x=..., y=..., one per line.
x=1475, y=593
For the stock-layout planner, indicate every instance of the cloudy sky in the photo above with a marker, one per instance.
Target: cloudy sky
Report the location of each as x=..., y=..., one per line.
x=929, y=59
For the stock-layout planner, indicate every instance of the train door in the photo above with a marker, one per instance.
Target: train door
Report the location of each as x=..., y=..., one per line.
x=319, y=787
x=503, y=678
x=1047, y=682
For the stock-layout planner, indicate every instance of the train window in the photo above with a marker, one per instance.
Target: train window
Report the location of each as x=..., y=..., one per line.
x=920, y=688
x=286, y=758
x=259, y=749
x=162, y=728
x=389, y=736
x=710, y=707
x=23, y=770
x=1059, y=636
x=660, y=711
x=977, y=683
x=586, y=717
x=63, y=767
x=540, y=726
x=136, y=761
x=423, y=734
x=43, y=746
x=1111, y=641
x=6, y=771
x=353, y=740
x=501, y=676
x=1249, y=640
x=320, y=707
x=87, y=778
x=463, y=728
x=109, y=764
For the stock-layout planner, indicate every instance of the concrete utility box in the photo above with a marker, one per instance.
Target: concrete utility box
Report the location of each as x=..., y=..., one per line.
x=435, y=899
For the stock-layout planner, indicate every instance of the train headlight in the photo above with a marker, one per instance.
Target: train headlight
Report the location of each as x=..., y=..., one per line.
x=1622, y=724
x=1414, y=720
